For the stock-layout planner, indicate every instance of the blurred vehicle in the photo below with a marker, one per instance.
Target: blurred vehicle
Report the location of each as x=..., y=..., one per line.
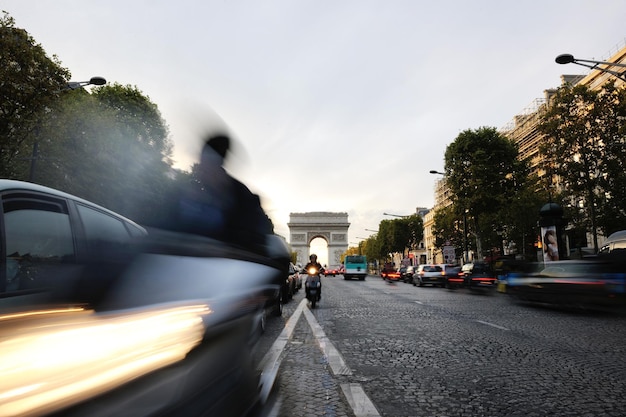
x=294, y=282
x=594, y=282
x=452, y=276
x=393, y=275
x=102, y=317
x=614, y=245
x=332, y=270
x=388, y=268
x=355, y=266
x=429, y=274
x=478, y=275
x=407, y=274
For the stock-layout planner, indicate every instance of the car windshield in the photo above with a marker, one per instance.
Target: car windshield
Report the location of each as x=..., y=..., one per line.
x=430, y=268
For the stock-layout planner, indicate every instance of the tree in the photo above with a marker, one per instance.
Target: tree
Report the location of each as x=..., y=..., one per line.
x=30, y=82
x=585, y=148
x=484, y=174
x=110, y=147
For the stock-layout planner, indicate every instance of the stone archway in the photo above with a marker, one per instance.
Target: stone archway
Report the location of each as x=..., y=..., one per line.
x=332, y=227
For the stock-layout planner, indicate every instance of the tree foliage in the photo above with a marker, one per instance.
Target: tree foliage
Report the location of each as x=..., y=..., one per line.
x=485, y=177
x=30, y=82
x=585, y=148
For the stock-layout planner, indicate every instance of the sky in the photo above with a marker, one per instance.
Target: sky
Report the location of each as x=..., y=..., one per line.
x=335, y=106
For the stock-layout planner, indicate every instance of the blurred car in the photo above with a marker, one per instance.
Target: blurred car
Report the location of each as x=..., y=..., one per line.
x=594, y=282
x=294, y=282
x=407, y=275
x=101, y=316
x=429, y=275
x=452, y=276
x=332, y=270
x=478, y=275
x=392, y=275
x=387, y=269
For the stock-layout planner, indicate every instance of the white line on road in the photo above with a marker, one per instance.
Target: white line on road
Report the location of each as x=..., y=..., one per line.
x=492, y=325
x=335, y=360
x=418, y=302
x=357, y=398
x=271, y=361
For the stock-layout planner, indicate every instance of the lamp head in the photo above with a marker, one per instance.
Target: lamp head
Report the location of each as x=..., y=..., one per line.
x=97, y=81
x=565, y=59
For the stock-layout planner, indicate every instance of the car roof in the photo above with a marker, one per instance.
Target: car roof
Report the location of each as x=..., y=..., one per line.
x=15, y=185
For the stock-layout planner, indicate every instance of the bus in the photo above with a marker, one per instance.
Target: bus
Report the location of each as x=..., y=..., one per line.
x=355, y=266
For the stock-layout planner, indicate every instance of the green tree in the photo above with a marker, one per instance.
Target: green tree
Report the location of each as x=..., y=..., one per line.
x=585, y=148
x=110, y=147
x=30, y=82
x=484, y=174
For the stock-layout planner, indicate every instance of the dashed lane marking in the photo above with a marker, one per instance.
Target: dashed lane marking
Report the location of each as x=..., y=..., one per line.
x=486, y=323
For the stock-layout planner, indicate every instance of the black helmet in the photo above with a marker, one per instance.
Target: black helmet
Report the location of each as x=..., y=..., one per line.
x=313, y=257
x=219, y=143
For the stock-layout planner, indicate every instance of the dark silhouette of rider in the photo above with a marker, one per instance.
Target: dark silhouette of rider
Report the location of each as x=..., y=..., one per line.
x=217, y=205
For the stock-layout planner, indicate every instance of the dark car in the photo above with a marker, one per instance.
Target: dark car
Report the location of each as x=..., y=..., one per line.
x=406, y=273
x=100, y=316
x=429, y=275
x=478, y=275
x=452, y=276
x=594, y=282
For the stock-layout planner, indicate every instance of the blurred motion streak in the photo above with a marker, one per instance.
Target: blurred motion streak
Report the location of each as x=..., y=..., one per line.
x=50, y=362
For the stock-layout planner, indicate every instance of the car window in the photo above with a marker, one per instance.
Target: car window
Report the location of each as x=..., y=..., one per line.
x=432, y=269
x=37, y=234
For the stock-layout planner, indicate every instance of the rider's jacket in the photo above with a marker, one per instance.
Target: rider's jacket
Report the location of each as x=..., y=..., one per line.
x=319, y=268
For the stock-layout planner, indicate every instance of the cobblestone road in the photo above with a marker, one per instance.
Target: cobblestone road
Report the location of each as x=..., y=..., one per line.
x=434, y=352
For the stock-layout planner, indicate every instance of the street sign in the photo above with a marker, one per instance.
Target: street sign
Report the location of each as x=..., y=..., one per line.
x=449, y=254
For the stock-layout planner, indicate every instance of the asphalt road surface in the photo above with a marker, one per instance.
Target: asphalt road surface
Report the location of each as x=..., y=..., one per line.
x=371, y=348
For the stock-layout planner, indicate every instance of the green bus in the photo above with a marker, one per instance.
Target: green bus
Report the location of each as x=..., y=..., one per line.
x=355, y=266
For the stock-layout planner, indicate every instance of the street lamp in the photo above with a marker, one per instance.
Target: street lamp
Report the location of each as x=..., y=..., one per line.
x=569, y=59
x=395, y=215
x=370, y=230
x=432, y=171
x=71, y=85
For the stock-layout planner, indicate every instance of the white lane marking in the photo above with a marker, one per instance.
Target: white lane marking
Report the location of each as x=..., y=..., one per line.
x=271, y=361
x=359, y=401
x=335, y=360
x=492, y=325
x=418, y=302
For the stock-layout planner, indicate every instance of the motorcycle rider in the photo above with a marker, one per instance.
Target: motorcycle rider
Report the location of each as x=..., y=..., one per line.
x=314, y=278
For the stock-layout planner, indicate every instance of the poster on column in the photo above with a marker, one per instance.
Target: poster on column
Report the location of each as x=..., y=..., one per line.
x=550, y=244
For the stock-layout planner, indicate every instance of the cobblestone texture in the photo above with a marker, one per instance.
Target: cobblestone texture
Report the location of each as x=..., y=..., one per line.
x=428, y=352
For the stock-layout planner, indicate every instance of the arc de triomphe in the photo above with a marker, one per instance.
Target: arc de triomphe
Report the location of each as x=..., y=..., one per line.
x=332, y=227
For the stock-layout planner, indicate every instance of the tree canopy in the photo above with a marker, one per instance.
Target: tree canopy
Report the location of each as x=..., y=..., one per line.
x=30, y=82
x=585, y=149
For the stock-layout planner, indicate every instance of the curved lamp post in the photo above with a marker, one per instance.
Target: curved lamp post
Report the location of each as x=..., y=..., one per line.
x=71, y=85
x=395, y=215
x=589, y=63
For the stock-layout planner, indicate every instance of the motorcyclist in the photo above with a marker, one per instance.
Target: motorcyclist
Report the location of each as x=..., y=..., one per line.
x=314, y=278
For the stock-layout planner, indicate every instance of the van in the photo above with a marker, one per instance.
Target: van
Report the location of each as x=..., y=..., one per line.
x=615, y=244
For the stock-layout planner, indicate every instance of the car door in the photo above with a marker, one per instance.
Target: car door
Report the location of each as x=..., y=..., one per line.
x=38, y=251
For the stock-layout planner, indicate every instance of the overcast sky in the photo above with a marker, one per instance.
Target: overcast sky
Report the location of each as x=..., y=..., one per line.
x=339, y=106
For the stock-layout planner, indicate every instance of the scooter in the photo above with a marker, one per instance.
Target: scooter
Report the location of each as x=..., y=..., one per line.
x=313, y=286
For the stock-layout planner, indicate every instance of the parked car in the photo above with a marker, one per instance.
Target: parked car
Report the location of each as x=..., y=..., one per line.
x=122, y=317
x=429, y=274
x=409, y=271
x=478, y=275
